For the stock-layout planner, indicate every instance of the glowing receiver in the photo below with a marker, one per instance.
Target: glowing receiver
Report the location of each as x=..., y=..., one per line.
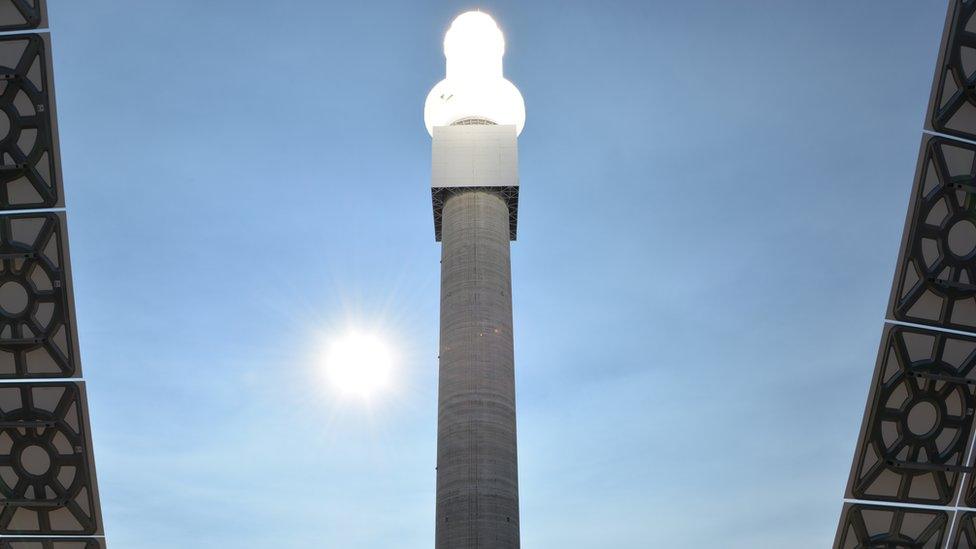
x=475, y=89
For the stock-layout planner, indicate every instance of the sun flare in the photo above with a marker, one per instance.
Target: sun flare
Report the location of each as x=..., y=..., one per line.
x=358, y=364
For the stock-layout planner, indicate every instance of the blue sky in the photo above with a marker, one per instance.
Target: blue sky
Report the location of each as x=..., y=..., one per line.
x=712, y=200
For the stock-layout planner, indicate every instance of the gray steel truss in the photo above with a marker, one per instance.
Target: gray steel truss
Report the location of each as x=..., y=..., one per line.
x=916, y=441
x=48, y=487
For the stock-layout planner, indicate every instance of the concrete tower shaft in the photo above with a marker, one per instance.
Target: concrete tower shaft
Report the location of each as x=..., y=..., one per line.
x=477, y=466
x=475, y=116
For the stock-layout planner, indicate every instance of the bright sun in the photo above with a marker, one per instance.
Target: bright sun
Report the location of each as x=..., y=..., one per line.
x=358, y=364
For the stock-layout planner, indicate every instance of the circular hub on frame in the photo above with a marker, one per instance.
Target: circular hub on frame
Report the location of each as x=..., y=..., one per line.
x=923, y=417
x=962, y=238
x=35, y=460
x=14, y=298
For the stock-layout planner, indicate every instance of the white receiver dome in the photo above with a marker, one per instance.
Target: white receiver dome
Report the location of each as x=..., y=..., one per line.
x=475, y=87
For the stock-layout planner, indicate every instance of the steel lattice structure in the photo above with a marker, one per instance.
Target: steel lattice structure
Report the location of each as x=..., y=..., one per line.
x=916, y=441
x=48, y=488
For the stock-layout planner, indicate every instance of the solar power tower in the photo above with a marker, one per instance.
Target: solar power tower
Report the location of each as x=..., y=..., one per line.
x=48, y=492
x=474, y=116
x=913, y=481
